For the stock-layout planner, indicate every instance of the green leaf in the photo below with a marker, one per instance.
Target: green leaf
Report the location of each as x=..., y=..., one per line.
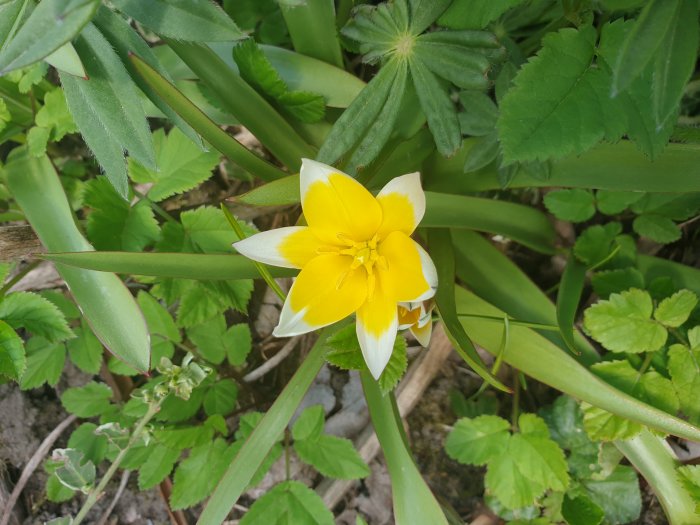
x=37, y=315
x=113, y=224
x=221, y=398
x=601, y=425
x=182, y=165
x=93, y=446
x=66, y=59
x=616, y=281
x=480, y=113
x=575, y=205
x=568, y=298
x=211, y=339
x=657, y=228
x=596, y=242
x=425, y=12
x=184, y=437
x=197, y=476
x=540, y=121
x=58, y=492
x=475, y=14
x=378, y=29
x=87, y=401
x=50, y=25
x=482, y=153
x=54, y=115
x=332, y=456
x=689, y=475
x=204, y=229
x=158, y=466
x=85, y=350
x=202, y=301
x=614, y=202
x=344, y=349
x=623, y=323
x=446, y=58
x=684, y=368
x=396, y=367
x=76, y=473
x=107, y=108
x=202, y=20
x=11, y=13
x=309, y=424
x=289, y=502
x=12, y=358
x=507, y=482
x=478, y=441
x=675, y=310
x=257, y=70
x=618, y=495
x=45, y=362
x=581, y=510
x=240, y=343
x=438, y=108
x=158, y=319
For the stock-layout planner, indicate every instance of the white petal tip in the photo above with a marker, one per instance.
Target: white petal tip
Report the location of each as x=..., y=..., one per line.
x=377, y=349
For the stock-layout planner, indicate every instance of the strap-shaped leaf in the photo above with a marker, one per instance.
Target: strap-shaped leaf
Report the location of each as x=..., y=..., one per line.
x=570, y=289
x=190, y=20
x=107, y=108
x=50, y=25
x=66, y=59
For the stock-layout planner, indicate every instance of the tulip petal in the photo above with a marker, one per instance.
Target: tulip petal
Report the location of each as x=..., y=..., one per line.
x=410, y=274
x=325, y=292
x=289, y=247
x=422, y=333
x=403, y=204
x=335, y=203
x=377, y=324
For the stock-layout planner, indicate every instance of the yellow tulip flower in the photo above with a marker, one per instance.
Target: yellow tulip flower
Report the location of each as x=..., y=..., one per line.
x=355, y=256
x=418, y=319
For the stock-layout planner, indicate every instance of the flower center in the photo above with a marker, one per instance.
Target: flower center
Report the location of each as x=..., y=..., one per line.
x=364, y=254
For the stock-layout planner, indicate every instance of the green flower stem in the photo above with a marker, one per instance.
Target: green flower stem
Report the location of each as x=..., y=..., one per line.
x=414, y=503
x=95, y=494
x=654, y=459
x=251, y=109
x=265, y=435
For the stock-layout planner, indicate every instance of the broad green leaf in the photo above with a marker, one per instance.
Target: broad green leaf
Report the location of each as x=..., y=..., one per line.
x=643, y=42
x=158, y=466
x=675, y=310
x=107, y=108
x=602, y=425
x=257, y=70
x=202, y=301
x=618, y=495
x=684, y=368
x=45, y=362
x=50, y=25
x=204, y=229
x=12, y=358
x=623, y=323
x=87, y=401
x=158, y=319
x=197, y=476
x=211, y=338
x=85, y=350
x=478, y=441
x=182, y=165
x=539, y=458
x=184, y=437
x=506, y=480
x=58, y=492
x=581, y=510
x=596, y=243
x=689, y=476
x=573, y=205
x=475, y=14
x=93, y=446
x=332, y=456
x=289, y=502
x=614, y=202
x=240, y=343
x=484, y=404
x=175, y=409
x=113, y=223
x=309, y=424
x=616, y=281
x=37, y=315
x=220, y=398
x=201, y=20
x=66, y=59
x=438, y=108
x=657, y=228
x=543, y=120
x=76, y=473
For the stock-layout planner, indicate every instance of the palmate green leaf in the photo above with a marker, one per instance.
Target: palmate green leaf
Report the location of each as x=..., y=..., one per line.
x=87, y=401
x=623, y=323
x=85, y=350
x=657, y=228
x=478, y=441
x=257, y=70
x=568, y=114
x=475, y=14
x=575, y=205
x=332, y=456
x=45, y=362
x=53, y=118
x=182, y=165
x=461, y=66
x=158, y=466
x=675, y=310
x=107, y=108
x=113, y=223
x=378, y=28
x=215, y=341
x=424, y=13
x=37, y=315
x=684, y=368
x=12, y=358
x=287, y=503
x=199, y=20
x=200, y=302
x=50, y=25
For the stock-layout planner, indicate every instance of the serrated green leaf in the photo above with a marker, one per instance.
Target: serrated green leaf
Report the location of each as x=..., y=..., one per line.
x=623, y=323
x=37, y=315
x=202, y=301
x=50, y=25
x=396, y=367
x=289, y=502
x=87, y=401
x=332, y=456
x=540, y=121
x=76, y=472
x=601, y=425
x=198, y=21
x=575, y=205
x=657, y=228
x=186, y=437
x=478, y=441
x=12, y=358
x=684, y=368
x=675, y=310
x=506, y=481
x=157, y=467
x=196, y=477
x=344, y=349
x=45, y=362
x=618, y=495
x=113, y=224
x=221, y=398
x=689, y=475
x=475, y=14
x=616, y=281
x=309, y=424
x=182, y=165
x=107, y=108
x=175, y=409
x=93, y=446
x=54, y=115
x=596, y=243
x=538, y=457
x=613, y=202
x=85, y=350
